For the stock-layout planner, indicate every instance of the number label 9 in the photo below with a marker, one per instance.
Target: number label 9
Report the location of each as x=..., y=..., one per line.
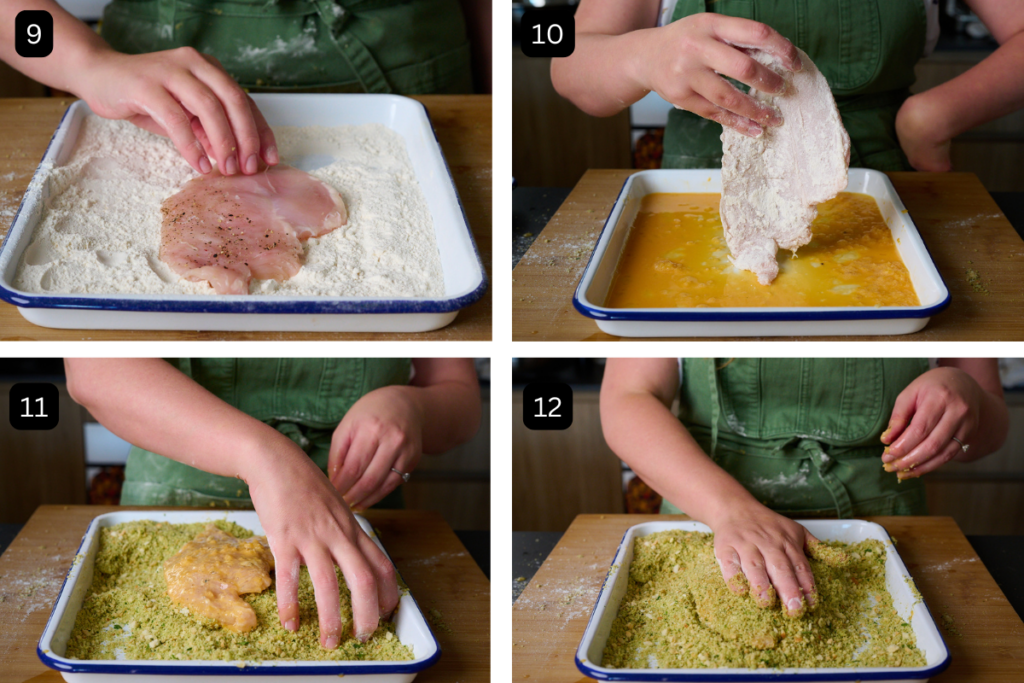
x=548, y=32
x=33, y=33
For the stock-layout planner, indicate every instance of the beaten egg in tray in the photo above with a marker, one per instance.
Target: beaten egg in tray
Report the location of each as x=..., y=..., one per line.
x=661, y=266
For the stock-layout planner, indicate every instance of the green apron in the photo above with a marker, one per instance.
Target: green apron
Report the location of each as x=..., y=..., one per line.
x=376, y=46
x=303, y=398
x=866, y=49
x=802, y=434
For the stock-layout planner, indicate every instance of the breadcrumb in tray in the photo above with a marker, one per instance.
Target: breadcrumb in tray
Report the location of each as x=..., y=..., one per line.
x=127, y=613
x=678, y=613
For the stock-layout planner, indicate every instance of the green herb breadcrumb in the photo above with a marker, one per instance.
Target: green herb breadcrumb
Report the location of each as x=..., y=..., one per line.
x=127, y=610
x=678, y=613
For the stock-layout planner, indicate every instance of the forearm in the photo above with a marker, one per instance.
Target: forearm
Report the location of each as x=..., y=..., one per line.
x=991, y=89
x=644, y=433
x=450, y=412
x=993, y=415
x=75, y=45
x=993, y=425
x=599, y=77
x=152, y=405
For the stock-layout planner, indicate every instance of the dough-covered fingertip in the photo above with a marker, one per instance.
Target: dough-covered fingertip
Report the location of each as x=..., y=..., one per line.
x=738, y=584
x=795, y=607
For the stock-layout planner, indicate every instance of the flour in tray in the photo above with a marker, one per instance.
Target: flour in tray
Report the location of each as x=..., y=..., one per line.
x=100, y=228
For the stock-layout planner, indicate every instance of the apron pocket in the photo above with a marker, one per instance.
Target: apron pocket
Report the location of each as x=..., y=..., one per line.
x=852, y=61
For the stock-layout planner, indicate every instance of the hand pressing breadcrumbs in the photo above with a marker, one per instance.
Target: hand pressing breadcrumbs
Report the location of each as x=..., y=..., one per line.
x=129, y=608
x=677, y=613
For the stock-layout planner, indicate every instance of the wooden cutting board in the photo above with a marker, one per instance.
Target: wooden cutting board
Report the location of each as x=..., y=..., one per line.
x=440, y=573
x=462, y=124
x=959, y=221
x=550, y=616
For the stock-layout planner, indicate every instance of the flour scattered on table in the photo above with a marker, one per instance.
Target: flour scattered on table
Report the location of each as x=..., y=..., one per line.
x=100, y=229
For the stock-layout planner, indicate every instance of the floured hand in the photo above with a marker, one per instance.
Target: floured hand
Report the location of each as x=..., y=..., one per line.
x=687, y=63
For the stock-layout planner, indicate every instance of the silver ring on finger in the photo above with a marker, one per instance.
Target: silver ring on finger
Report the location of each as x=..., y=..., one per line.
x=963, y=446
x=406, y=476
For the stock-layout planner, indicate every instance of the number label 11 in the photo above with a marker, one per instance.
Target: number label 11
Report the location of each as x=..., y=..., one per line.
x=34, y=406
x=547, y=405
x=550, y=32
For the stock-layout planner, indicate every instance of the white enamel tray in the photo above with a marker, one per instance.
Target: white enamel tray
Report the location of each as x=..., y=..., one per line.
x=908, y=606
x=411, y=628
x=755, y=322
x=464, y=277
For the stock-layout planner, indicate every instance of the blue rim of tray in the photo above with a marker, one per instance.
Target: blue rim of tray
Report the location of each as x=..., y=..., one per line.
x=142, y=303
x=743, y=314
x=270, y=668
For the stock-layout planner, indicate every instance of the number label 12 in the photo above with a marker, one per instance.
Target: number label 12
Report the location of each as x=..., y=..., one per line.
x=547, y=406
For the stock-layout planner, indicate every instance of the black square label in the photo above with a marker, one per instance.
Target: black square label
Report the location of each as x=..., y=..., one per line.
x=33, y=33
x=547, y=405
x=34, y=406
x=548, y=33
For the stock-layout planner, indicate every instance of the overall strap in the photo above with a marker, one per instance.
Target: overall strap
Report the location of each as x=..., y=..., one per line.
x=823, y=465
x=335, y=15
x=165, y=13
x=716, y=405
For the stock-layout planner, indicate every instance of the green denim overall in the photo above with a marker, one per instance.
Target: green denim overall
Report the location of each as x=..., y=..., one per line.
x=802, y=434
x=375, y=46
x=866, y=49
x=303, y=398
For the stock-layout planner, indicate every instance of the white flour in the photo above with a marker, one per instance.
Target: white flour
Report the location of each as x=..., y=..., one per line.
x=100, y=230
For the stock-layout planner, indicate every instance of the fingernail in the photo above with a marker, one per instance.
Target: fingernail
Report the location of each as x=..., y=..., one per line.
x=773, y=119
x=363, y=637
x=291, y=625
x=204, y=165
x=754, y=130
x=251, y=164
x=331, y=643
x=271, y=155
x=795, y=606
x=231, y=165
x=798, y=64
x=889, y=467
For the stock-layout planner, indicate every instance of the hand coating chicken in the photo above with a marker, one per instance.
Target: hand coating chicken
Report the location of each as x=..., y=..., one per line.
x=227, y=230
x=212, y=571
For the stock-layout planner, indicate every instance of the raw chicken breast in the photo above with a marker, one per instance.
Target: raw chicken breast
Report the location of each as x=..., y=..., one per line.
x=229, y=229
x=772, y=184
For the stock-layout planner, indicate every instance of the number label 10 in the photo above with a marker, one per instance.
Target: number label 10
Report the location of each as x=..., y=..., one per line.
x=548, y=32
x=547, y=405
x=33, y=33
x=34, y=406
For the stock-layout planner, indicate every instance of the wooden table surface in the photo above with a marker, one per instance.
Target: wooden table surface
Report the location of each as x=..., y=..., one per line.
x=462, y=124
x=550, y=616
x=959, y=221
x=440, y=573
